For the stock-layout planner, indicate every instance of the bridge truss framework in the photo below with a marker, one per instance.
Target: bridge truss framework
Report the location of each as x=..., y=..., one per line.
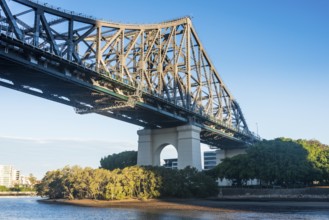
x=151, y=75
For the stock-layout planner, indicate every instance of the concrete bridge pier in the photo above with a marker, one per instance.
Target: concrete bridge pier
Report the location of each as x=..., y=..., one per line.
x=186, y=140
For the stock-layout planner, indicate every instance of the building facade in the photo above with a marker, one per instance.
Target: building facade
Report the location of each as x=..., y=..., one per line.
x=9, y=176
x=171, y=163
x=209, y=160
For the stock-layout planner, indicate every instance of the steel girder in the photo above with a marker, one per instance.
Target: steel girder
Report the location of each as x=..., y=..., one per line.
x=164, y=61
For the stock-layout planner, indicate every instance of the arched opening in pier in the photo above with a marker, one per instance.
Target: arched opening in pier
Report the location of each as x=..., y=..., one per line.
x=168, y=156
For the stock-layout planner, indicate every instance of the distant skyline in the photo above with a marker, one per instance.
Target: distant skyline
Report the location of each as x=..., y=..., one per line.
x=272, y=55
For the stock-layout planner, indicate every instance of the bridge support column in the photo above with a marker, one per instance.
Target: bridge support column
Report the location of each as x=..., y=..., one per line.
x=186, y=140
x=189, y=151
x=145, y=151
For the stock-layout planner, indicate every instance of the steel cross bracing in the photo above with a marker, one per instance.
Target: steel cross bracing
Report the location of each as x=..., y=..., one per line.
x=152, y=75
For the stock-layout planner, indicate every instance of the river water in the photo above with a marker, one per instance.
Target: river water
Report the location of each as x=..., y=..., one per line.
x=13, y=208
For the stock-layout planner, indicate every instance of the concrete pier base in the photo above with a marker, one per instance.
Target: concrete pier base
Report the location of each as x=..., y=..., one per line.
x=186, y=140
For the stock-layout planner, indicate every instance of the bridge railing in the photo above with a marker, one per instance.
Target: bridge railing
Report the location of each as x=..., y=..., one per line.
x=45, y=4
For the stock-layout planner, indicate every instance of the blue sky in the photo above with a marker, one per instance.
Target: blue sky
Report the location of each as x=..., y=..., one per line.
x=273, y=56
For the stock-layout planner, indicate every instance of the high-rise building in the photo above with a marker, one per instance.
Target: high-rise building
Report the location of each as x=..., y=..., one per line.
x=209, y=160
x=9, y=176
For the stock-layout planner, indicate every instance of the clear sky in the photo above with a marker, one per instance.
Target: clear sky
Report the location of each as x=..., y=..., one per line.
x=273, y=56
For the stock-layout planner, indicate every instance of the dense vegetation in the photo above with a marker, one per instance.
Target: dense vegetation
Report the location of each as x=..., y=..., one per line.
x=283, y=162
x=120, y=160
x=16, y=189
x=21, y=188
x=131, y=182
x=185, y=183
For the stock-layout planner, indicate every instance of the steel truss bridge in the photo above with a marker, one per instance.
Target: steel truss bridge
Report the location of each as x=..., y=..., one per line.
x=151, y=75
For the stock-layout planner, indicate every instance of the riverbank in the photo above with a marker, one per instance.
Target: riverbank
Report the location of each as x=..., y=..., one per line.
x=293, y=194
x=17, y=194
x=207, y=205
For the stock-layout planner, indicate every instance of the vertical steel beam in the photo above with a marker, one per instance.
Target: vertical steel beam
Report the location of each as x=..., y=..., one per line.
x=70, y=40
x=36, y=34
x=122, y=52
x=175, y=65
x=159, y=66
x=98, y=47
x=188, y=63
x=141, y=63
x=200, y=75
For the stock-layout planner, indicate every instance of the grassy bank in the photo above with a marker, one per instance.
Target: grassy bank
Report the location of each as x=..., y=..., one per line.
x=17, y=193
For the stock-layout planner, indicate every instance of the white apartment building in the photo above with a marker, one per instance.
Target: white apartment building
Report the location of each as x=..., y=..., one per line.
x=9, y=176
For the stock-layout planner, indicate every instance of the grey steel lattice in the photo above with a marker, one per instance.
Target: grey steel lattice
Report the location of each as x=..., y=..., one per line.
x=165, y=64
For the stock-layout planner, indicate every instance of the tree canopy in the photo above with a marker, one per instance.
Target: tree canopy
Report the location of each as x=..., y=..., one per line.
x=281, y=161
x=87, y=183
x=119, y=161
x=184, y=183
x=131, y=182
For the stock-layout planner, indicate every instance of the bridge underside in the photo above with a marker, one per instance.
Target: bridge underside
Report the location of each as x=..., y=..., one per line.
x=41, y=74
x=39, y=82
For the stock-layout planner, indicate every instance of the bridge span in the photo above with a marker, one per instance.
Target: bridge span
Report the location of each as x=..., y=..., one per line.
x=157, y=76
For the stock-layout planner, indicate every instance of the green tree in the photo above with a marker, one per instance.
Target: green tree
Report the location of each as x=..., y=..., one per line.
x=323, y=159
x=238, y=169
x=86, y=183
x=114, y=187
x=119, y=161
x=99, y=179
x=184, y=183
x=32, y=179
x=131, y=182
x=3, y=189
x=280, y=162
x=276, y=162
x=319, y=157
x=51, y=185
